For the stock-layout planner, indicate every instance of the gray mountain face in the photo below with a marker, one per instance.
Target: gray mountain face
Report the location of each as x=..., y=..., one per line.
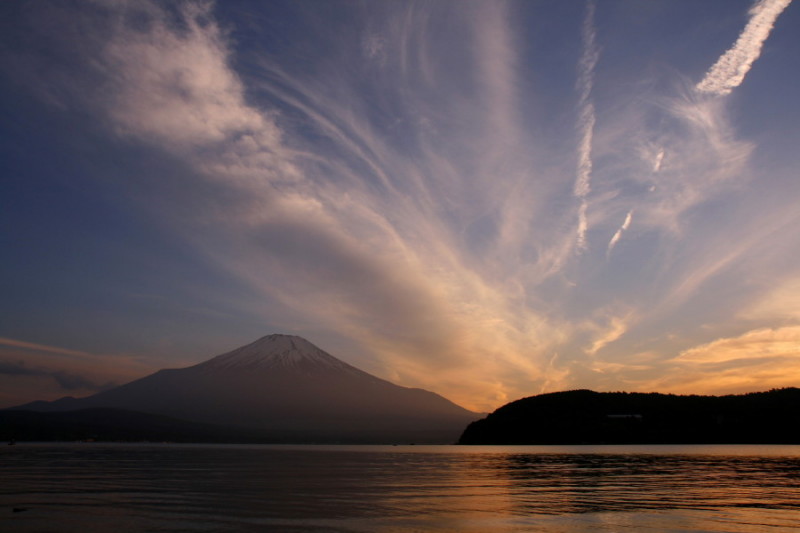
x=293, y=391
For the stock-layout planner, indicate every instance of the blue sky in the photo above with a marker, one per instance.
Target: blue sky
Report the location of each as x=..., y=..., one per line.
x=485, y=199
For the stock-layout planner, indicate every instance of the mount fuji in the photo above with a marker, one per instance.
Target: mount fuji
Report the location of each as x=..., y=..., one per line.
x=288, y=390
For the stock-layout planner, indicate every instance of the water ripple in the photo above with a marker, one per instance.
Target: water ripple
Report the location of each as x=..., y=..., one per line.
x=220, y=488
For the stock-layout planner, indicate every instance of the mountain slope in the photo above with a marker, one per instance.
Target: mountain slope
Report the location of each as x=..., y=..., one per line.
x=588, y=417
x=291, y=389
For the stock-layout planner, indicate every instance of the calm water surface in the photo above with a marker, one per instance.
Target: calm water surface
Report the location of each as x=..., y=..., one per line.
x=126, y=488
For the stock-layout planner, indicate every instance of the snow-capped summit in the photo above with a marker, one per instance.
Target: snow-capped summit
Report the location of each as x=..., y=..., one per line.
x=278, y=352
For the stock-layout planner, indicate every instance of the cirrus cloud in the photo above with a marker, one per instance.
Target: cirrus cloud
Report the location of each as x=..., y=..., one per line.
x=419, y=203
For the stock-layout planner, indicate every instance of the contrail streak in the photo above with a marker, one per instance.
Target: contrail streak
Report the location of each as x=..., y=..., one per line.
x=731, y=68
x=586, y=121
x=618, y=235
x=658, y=160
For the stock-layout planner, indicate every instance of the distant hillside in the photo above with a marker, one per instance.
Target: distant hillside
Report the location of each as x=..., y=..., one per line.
x=114, y=425
x=285, y=389
x=588, y=417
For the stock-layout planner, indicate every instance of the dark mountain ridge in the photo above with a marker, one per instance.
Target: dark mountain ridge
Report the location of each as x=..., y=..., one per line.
x=588, y=417
x=290, y=391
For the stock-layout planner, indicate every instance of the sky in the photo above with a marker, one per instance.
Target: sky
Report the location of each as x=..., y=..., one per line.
x=489, y=200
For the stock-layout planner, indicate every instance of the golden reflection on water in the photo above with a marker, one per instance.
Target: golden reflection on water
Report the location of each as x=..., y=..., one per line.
x=387, y=489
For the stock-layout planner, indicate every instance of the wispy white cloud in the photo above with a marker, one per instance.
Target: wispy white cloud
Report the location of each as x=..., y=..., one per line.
x=554, y=376
x=42, y=347
x=586, y=121
x=618, y=235
x=606, y=329
x=658, y=160
x=778, y=303
x=694, y=155
x=174, y=88
x=752, y=345
x=756, y=360
x=731, y=68
x=402, y=196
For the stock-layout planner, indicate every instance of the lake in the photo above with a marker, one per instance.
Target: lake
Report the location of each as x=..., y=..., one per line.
x=170, y=487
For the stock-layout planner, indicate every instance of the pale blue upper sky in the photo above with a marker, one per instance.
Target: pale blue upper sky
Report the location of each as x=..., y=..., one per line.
x=485, y=199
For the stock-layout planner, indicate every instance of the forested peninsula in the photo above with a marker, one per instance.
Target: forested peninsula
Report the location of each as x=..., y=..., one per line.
x=588, y=417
